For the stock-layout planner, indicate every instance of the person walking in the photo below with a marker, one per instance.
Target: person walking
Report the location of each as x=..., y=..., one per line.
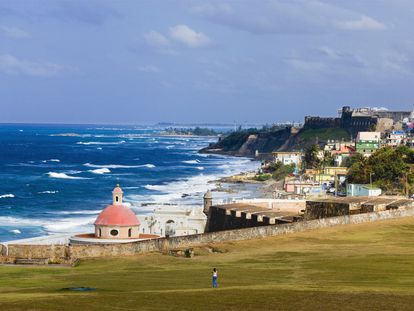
x=215, y=278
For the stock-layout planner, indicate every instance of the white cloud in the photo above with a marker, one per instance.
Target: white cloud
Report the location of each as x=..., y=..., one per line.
x=286, y=17
x=13, y=32
x=189, y=37
x=156, y=39
x=363, y=23
x=149, y=69
x=11, y=65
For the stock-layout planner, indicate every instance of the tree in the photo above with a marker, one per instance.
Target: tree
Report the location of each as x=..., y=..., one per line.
x=311, y=157
x=279, y=171
x=388, y=168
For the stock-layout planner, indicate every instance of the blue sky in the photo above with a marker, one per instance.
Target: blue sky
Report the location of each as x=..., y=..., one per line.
x=121, y=61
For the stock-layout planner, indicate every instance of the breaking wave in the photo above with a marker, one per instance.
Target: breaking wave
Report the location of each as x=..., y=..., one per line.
x=100, y=170
x=100, y=143
x=118, y=166
x=192, y=161
x=63, y=176
x=9, y=195
x=51, y=160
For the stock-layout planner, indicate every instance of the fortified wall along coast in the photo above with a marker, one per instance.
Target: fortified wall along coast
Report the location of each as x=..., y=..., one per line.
x=13, y=253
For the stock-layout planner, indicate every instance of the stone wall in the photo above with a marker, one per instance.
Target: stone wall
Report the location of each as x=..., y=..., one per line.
x=321, y=122
x=220, y=219
x=324, y=209
x=57, y=252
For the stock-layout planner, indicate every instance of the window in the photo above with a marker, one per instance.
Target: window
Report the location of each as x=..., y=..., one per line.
x=100, y=232
x=129, y=232
x=116, y=199
x=114, y=232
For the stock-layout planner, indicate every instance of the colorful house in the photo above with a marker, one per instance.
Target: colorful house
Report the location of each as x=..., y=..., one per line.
x=287, y=158
x=367, y=142
x=358, y=190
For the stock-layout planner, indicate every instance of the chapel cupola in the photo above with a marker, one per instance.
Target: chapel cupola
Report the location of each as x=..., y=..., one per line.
x=117, y=195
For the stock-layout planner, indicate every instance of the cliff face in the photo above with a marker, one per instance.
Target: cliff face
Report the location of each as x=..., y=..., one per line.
x=245, y=143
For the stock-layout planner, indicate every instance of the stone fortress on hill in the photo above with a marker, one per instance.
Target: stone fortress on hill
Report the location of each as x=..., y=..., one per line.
x=359, y=119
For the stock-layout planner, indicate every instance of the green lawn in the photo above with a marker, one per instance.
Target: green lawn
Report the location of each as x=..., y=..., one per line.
x=324, y=134
x=357, y=267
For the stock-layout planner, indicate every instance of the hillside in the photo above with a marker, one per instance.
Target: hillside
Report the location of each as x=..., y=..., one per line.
x=356, y=267
x=246, y=142
x=307, y=137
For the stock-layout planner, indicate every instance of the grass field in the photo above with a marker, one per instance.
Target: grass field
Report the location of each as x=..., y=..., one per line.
x=356, y=267
x=324, y=134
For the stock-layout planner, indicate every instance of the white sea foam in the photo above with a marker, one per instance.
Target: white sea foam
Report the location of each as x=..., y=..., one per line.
x=189, y=191
x=84, y=212
x=192, y=161
x=51, y=160
x=100, y=171
x=63, y=176
x=200, y=168
x=72, y=224
x=118, y=166
x=51, y=225
x=4, y=196
x=15, y=231
x=100, y=142
x=49, y=192
x=16, y=221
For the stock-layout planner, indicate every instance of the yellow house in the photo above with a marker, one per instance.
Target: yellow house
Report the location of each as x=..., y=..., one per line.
x=327, y=174
x=335, y=170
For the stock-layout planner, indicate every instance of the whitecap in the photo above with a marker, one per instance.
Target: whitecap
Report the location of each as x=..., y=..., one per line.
x=48, y=192
x=100, y=143
x=16, y=221
x=192, y=161
x=118, y=165
x=51, y=160
x=84, y=212
x=9, y=195
x=15, y=231
x=63, y=176
x=200, y=168
x=100, y=171
x=72, y=224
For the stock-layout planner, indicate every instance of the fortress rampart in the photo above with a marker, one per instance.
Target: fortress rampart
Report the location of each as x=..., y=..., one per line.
x=355, y=120
x=68, y=253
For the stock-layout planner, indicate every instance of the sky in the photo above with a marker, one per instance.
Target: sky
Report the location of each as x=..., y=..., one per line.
x=142, y=62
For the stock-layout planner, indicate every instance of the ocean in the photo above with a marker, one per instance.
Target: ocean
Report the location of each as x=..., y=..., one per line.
x=57, y=178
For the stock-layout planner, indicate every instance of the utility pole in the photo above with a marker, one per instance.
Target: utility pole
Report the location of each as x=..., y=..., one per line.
x=336, y=184
x=370, y=179
x=406, y=185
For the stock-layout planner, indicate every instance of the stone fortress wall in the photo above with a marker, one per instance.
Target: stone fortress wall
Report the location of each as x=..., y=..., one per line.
x=356, y=120
x=69, y=253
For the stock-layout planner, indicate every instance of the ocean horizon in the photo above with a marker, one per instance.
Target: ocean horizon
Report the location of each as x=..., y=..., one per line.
x=57, y=178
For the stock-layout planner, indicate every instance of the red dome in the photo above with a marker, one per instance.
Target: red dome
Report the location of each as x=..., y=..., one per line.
x=117, y=215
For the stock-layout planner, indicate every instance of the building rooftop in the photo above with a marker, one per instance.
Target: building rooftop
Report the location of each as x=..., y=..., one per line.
x=117, y=215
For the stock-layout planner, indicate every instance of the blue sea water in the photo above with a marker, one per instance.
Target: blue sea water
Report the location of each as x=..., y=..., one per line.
x=51, y=183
